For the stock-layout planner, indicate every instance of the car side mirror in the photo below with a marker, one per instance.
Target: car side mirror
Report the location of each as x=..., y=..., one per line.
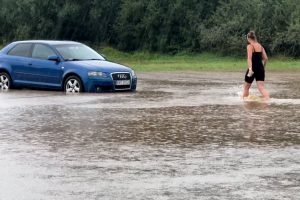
x=54, y=58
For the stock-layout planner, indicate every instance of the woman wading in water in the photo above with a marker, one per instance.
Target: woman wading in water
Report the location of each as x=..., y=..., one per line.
x=257, y=60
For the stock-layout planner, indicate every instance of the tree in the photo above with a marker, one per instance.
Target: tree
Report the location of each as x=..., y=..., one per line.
x=168, y=26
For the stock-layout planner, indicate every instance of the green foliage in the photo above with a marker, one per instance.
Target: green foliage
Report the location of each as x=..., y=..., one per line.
x=275, y=22
x=168, y=26
x=164, y=26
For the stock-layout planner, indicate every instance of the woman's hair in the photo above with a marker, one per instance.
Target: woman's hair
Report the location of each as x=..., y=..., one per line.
x=251, y=35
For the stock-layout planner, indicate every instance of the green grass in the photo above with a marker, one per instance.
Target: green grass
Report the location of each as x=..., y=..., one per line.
x=145, y=61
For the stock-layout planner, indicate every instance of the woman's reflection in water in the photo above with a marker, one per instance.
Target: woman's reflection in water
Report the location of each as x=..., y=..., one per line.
x=254, y=120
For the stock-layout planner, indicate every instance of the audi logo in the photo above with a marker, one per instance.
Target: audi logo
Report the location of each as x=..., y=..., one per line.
x=122, y=76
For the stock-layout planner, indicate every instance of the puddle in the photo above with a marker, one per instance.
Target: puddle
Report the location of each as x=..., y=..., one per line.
x=188, y=139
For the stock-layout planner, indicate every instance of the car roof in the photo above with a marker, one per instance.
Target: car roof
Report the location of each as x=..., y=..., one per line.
x=49, y=42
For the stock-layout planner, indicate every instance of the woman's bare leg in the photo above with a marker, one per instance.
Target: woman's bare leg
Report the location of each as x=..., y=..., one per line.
x=246, y=89
x=263, y=91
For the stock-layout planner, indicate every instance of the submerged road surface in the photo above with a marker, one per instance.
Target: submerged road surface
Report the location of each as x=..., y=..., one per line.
x=183, y=135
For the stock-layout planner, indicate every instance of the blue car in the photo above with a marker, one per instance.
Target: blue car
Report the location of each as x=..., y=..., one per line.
x=61, y=65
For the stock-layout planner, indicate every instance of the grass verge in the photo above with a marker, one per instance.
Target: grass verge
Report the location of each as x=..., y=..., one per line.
x=145, y=61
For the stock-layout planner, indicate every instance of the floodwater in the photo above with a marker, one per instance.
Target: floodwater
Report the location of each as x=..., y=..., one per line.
x=183, y=135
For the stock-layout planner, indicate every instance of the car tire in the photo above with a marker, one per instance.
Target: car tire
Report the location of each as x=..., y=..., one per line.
x=73, y=85
x=5, y=81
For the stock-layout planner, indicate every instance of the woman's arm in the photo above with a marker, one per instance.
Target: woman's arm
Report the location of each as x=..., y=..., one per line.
x=249, y=55
x=264, y=57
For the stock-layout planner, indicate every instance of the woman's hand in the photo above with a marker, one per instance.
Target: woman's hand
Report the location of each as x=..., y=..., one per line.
x=250, y=72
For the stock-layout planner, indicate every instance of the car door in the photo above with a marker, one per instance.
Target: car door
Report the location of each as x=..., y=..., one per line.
x=47, y=72
x=19, y=60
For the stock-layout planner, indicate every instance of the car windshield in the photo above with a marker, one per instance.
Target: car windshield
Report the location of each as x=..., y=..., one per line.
x=71, y=52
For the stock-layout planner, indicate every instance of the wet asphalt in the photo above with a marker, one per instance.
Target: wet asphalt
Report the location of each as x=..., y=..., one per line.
x=182, y=135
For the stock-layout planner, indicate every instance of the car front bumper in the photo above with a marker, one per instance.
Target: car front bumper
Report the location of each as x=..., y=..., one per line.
x=94, y=85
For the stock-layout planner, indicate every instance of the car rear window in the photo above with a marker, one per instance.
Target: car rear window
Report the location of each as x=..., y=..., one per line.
x=20, y=50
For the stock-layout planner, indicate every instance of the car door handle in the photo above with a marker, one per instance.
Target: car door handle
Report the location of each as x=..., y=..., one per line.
x=29, y=64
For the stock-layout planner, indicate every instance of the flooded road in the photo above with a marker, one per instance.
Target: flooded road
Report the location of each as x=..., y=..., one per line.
x=183, y=135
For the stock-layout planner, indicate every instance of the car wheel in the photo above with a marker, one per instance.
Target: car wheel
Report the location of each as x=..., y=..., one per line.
x=5, y=81
x=73, y=85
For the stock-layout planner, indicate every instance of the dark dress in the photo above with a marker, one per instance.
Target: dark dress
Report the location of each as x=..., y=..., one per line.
x=257, y=67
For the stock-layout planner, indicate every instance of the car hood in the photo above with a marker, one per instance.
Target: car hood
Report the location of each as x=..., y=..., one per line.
x=101, y=65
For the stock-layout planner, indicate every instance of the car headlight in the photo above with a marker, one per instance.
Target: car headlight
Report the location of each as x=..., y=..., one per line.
x=132, y=73
x=96, y=74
